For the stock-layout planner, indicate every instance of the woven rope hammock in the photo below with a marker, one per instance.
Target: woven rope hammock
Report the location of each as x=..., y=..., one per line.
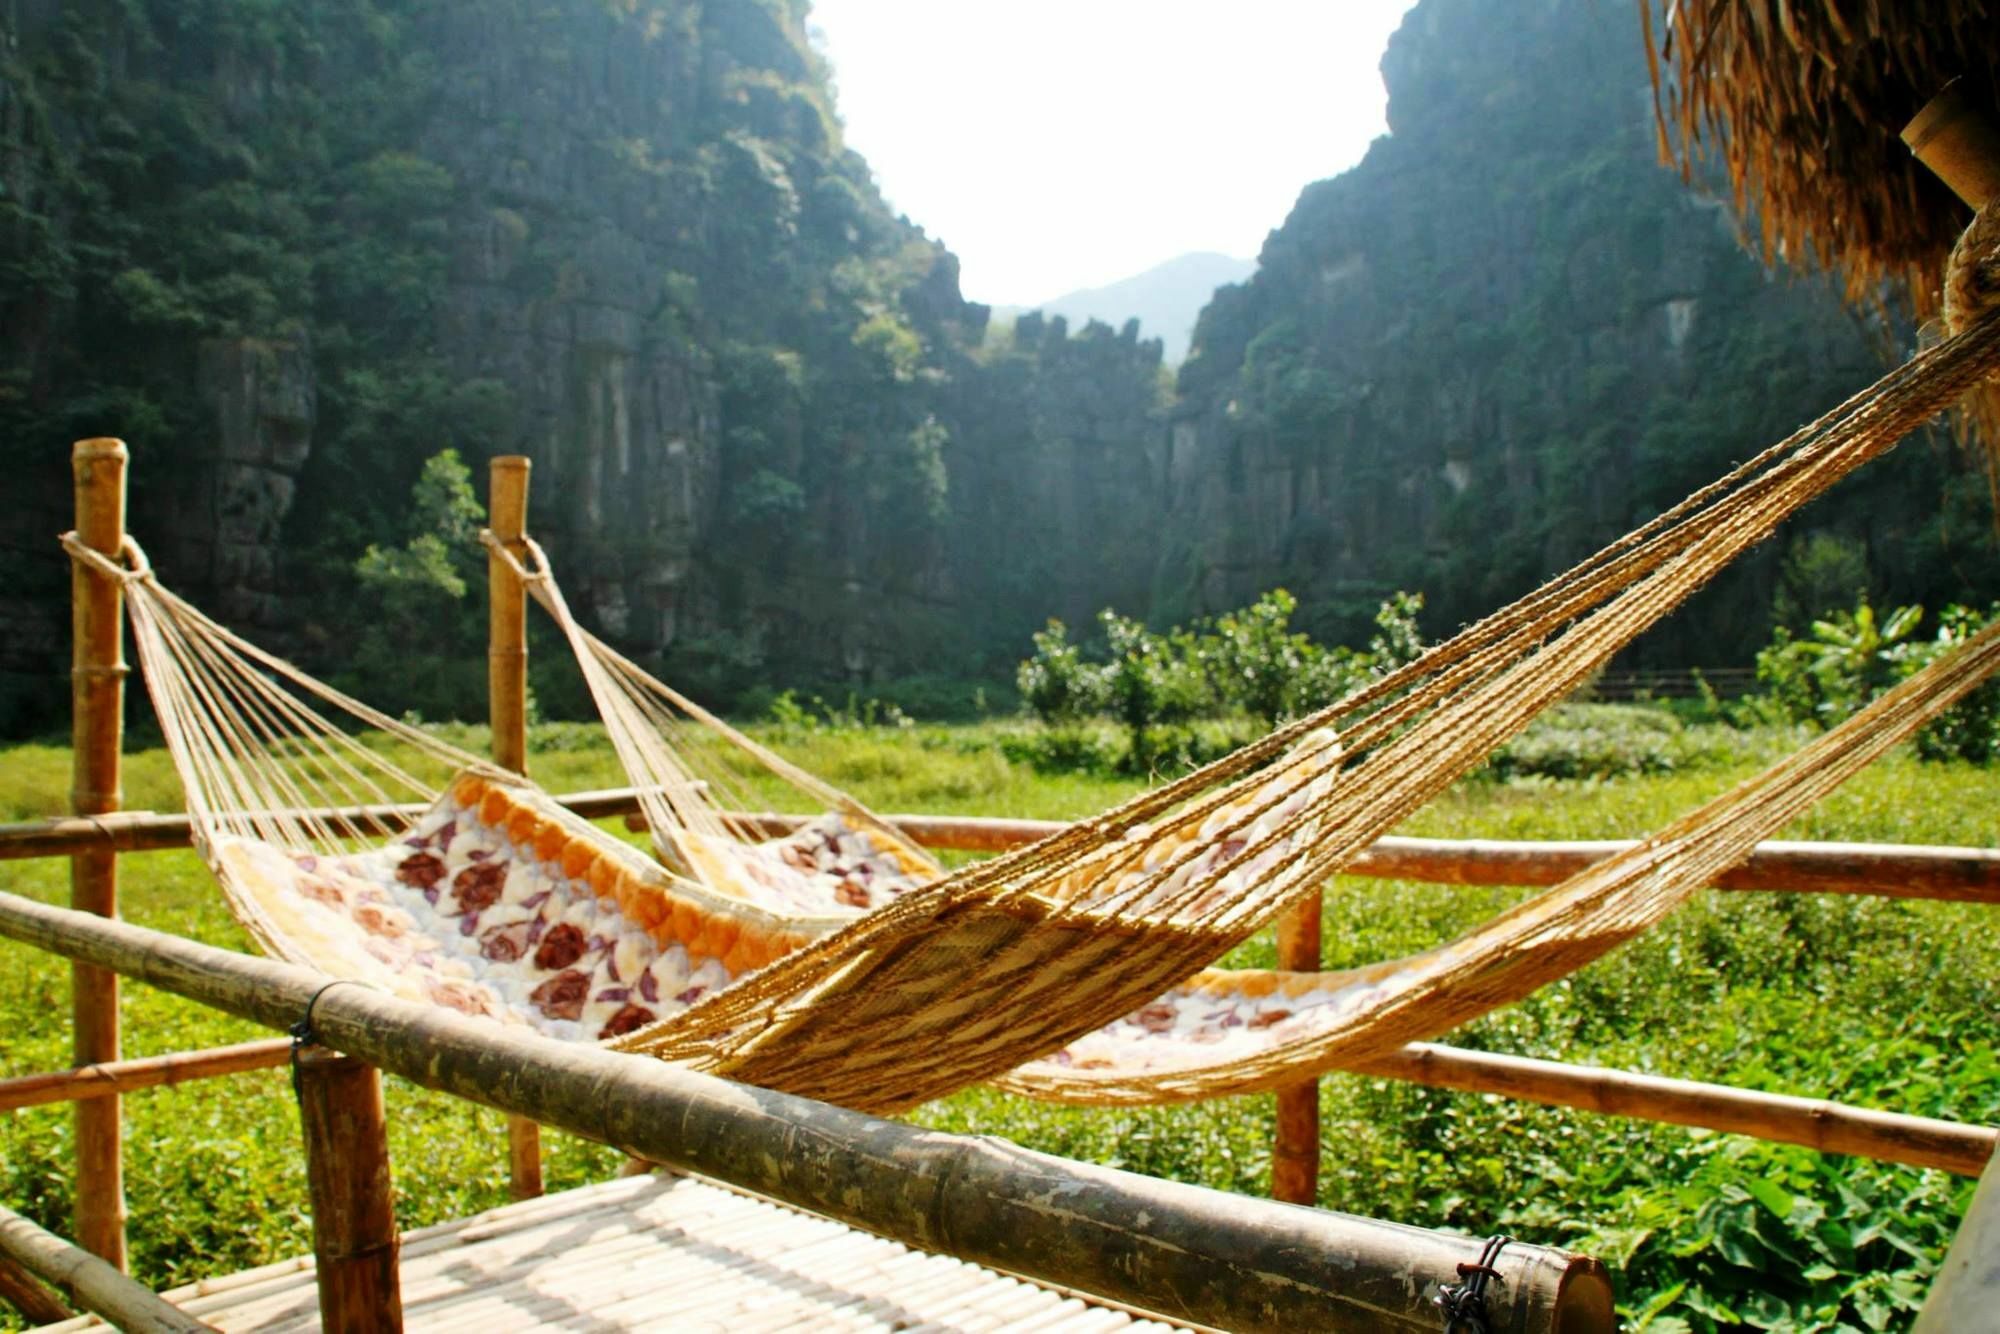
x=1090, y=944
x=1231, y=1031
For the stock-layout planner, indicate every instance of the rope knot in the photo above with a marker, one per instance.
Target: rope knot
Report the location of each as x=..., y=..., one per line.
x=539, y=575
x=1972, y=279
x=137, y=566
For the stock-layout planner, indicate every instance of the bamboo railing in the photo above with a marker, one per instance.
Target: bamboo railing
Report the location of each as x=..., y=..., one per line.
x=99, y=832
x=1897, y=871
x=1184, y=1252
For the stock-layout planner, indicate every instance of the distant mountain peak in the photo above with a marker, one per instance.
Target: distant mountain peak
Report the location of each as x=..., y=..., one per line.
x=1165, y=299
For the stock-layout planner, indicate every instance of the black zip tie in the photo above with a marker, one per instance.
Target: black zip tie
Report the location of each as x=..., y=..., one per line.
x=1464, y=1304
x=303, y=1035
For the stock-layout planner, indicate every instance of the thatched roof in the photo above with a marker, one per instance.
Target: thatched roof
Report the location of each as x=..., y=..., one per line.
x=1803, y=100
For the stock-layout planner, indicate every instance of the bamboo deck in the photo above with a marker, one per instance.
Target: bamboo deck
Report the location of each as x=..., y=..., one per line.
x=661, y=1252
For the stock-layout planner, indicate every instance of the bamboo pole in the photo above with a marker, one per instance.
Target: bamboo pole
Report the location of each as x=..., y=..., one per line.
x=1830, y=1127
x=25, y=1293
x=1886, y=870
x=1188, y=1253
x=353, y=1201
x=1967, y=1288
x=119, y=1077
x=1295, y=1148
x=97, y=703
x=148, y=831
x=95, y=1285
x=507, y=706
x=1960, y=142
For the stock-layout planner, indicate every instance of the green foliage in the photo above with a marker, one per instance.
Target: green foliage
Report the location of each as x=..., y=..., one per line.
x=895, y=348
x=1260, y=665
x=1851, y=656
x=1152, y=681
x=1244, y=663
x=1057, y=683
x=1970, y=730
x=1572, y=741
x=1778, y=992
x=416, y=639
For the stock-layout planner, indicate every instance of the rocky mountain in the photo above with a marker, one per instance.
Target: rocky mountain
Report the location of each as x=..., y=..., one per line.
x=290, y=251
x=1505, y=338
x=1166, y=299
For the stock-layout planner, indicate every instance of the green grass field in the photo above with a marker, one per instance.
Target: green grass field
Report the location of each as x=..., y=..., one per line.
x=1882, y=1003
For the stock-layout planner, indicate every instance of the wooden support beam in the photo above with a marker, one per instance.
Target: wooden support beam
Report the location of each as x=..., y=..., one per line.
x=94, y=1285
x=353, y=1203
x=97, y=703
x=1830, y=1127
x=118, y=1077
x=1197, y=1255
x=507, y=707
x=1959, y=141
x=26, y=1294
x=1295, y=1150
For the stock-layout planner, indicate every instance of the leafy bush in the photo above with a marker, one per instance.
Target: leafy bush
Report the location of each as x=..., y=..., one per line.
x=1057, y=684
x=1244, y=663
x=417, y=639
x=1851, y=657
x=1970, y=731
x=1604, y=741
x=1152, y=682
x=1069, y=747
x=795, y=718
x=1259, y=663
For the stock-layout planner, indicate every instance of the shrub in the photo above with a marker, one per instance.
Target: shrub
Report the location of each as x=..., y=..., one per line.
x=1247, y=662
x=1057, y=684
x=1596, y=741
x=1850, y=657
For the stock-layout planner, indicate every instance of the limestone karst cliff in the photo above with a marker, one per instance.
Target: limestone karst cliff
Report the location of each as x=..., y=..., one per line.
x=289, y=251
x=1506, y=337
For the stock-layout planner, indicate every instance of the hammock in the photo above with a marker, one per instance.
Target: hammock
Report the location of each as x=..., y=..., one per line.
x=1231, y=1031
x=1033, y=952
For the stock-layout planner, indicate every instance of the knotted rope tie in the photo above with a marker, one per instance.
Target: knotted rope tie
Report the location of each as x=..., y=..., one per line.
x=1464, y=1304
x=1972, y=279
x=513, y=562
x=138, y=568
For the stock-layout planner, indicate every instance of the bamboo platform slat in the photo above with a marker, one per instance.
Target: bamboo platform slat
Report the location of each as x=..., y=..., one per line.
x=662, y=1252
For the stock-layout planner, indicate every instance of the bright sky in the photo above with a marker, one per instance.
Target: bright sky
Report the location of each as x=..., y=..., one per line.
x=1059, y=144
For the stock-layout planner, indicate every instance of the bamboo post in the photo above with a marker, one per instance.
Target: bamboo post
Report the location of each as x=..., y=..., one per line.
x=1200, y=1256
x=97, y=703
x=95, y=1285
x=507, y=706
x=1960, y=142
x=1295, y=1154
x=353, y=1200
